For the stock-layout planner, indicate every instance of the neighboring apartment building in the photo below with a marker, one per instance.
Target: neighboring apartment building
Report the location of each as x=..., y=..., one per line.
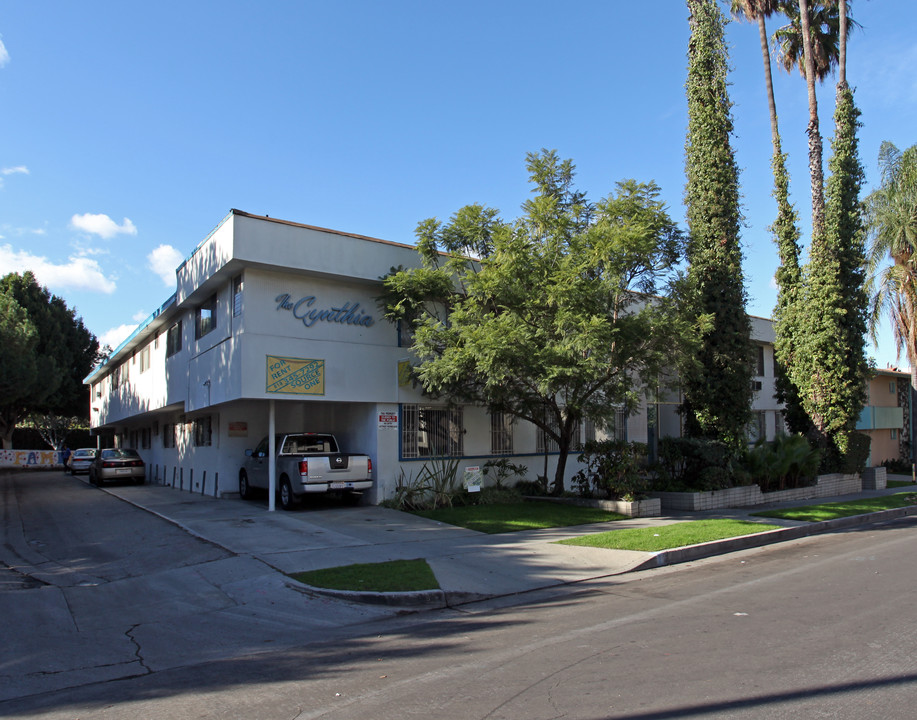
x=888, y=417
x=275, y=323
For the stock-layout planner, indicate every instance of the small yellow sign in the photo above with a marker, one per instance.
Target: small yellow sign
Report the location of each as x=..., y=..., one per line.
x=297, y=376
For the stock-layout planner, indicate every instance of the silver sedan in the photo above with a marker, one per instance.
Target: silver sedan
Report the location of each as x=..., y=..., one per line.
x=116, y=464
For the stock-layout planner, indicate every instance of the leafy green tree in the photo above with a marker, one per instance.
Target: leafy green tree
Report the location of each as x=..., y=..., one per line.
x=832, y=371
x=891, y=215
x=64, y=353
x=543, y=318
x=717, y=378
x=19, y=360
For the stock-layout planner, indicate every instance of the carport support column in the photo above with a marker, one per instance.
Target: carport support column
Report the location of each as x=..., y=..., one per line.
x=271, y=455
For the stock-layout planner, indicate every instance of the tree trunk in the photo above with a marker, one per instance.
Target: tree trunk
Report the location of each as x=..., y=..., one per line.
x=842, y=46
x=816, y=173
x=769, y=81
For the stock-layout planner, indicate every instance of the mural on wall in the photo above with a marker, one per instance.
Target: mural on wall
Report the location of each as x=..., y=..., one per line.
x=30, y=458
x=298, y=376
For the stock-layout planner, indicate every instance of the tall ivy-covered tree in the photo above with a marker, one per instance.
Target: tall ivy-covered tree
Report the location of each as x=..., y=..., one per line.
x=543, y=318
x=717, y=377
x=831, y=370
x=65, y=352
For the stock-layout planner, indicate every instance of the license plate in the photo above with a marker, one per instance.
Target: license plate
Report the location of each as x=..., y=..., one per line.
x=341, y=485
x=123, y=471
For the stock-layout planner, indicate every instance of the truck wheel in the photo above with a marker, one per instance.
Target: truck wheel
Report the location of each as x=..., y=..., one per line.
x=287, y=499
x=245, y=490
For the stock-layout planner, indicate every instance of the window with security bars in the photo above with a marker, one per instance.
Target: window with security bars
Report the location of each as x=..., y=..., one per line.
x=431, y=431
x=203, y=432
x=617, y=428
x=544, y=442
x=501, y=434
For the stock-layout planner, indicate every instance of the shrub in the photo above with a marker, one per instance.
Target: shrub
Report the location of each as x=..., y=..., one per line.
x=897, y=466
x=502, y=470
x=534, y=488
x=612, y=470
x=787, y=462
x=696, y=464
x=853, y=461
x=436, y=485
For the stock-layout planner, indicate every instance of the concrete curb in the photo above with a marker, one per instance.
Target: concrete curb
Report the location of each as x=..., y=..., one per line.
x=769, y=537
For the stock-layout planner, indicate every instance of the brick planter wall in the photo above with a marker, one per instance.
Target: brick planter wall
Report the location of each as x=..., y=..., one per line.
x=750, y=495
x=875, y=478
x=648, y=507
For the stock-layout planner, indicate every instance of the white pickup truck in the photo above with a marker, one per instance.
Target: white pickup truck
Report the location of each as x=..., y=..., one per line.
x=306, y=463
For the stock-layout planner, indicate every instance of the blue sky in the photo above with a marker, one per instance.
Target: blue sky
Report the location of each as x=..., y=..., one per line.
x=130, y=129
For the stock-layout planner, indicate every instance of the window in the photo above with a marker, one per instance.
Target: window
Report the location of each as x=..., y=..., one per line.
x=501, y=433
x=237, y=296
x=544, y=442
x=588, y=431
x=173, y=339
x=405, y=334
x=145, y=439
x=145, y=359
x=617, y=428
x=894, y=433
x=169, y=435
x=206, y=318
x=428, y=431
x=892, y=387
x=116, y=377
x=757, y=428
x=202, y=432
x=759, y=361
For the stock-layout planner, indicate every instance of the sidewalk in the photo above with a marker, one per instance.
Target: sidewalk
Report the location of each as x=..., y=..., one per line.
x=468, y=565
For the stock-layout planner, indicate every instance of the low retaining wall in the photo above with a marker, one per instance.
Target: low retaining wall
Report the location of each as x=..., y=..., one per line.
x=648, y=507
x=875, y=478
x=749, y=495
x=37, y=459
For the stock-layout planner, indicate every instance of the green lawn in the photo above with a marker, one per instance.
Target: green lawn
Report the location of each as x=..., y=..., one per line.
x=665, y=537
x=394, y=576
x=512, y=517
x=830, y=511
x=899, y=483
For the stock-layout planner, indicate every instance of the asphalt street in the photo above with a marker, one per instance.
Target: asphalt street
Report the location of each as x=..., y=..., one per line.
x=113, y=611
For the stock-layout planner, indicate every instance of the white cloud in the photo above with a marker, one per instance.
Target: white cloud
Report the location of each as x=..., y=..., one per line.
x=140, y=316
x=116, y=335
x=163, y=261
x=4, y=55
x=78, y=273
x=18, y=170
x=102, y=225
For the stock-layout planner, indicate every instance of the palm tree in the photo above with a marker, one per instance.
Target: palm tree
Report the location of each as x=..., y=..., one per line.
x=785, y=229
x=757, y=11
x=811, y=42
x=891, y=214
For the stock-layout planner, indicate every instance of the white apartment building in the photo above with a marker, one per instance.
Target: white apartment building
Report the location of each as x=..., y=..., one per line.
x=275, y=323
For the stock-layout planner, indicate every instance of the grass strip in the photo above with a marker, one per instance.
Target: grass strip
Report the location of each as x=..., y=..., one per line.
x=830, y=511
x=513, y=517
x=393, y=576
x=899, y=483
x=665, y=537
